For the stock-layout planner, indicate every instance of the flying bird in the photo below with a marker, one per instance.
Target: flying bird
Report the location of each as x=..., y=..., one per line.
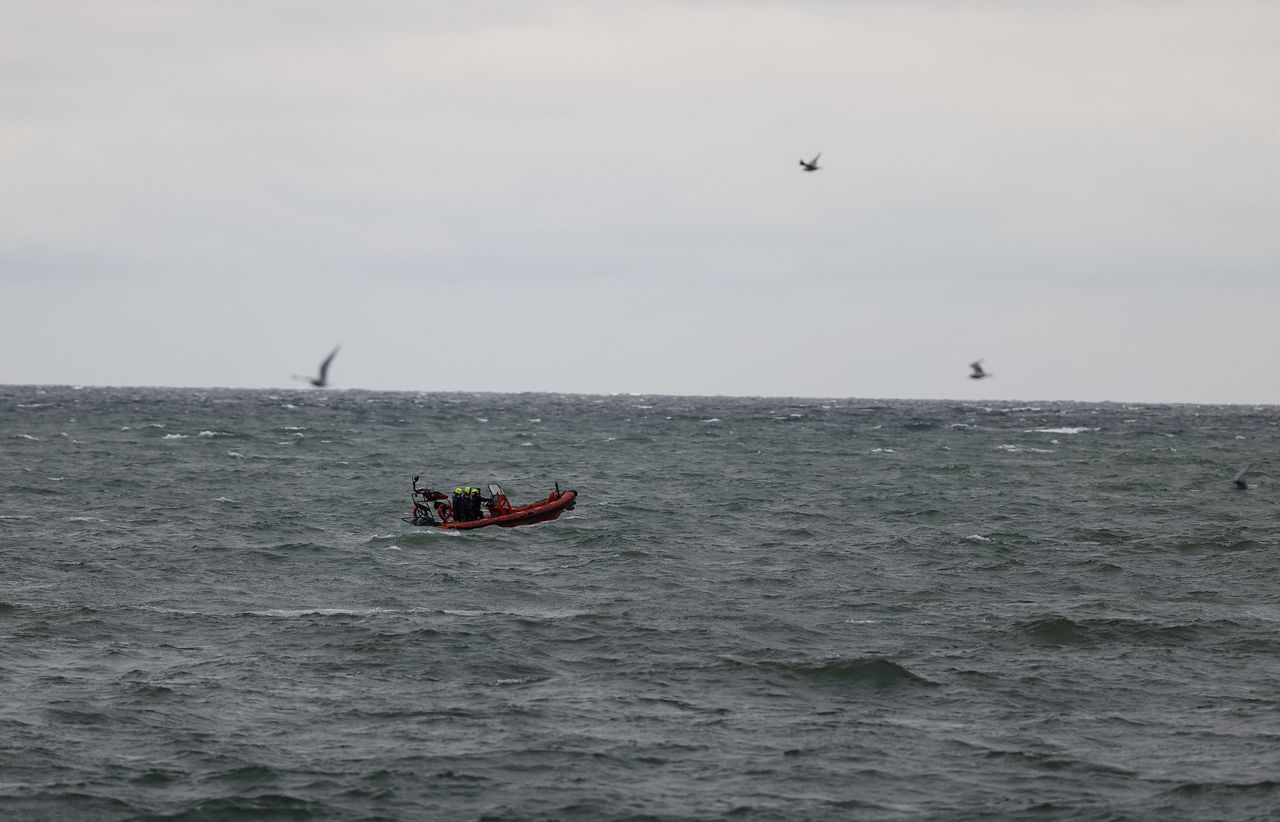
x=1239, y=481
x=812, y=165
x=322, y=380
x=978, y=373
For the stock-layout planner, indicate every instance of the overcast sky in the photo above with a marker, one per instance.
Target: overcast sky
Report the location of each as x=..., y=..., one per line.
x=606, y=197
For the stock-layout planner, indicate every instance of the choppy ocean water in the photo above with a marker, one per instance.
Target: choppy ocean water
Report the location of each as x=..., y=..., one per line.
x=760, y=609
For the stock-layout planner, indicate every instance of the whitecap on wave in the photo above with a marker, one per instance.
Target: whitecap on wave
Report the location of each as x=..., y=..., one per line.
x=176, y=436
x=1067, y=430
x=300, y=612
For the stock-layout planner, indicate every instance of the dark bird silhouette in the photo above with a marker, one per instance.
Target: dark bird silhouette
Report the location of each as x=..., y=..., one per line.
x=1239, y=481
x=322, y=380
x=812, y=165
x=978, y=373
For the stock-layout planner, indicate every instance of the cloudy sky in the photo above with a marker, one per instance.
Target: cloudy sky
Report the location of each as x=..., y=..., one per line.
x=605, y=196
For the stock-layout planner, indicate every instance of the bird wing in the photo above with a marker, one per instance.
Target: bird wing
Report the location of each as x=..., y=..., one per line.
x=976, y=366
x=1240, y=476
x=324, y=366
x=814, y=161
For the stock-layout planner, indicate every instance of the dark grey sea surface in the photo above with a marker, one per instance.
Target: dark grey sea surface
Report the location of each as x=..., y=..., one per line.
x=761, y=609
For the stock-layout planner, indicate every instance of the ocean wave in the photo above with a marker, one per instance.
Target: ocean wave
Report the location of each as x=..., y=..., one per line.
x=1217, y=547
x=1019, y=449
x=1063, y=631
x=258, y=806
x=874, y=672
x=293, y=613
x=1077, y=429
x=1264, y=785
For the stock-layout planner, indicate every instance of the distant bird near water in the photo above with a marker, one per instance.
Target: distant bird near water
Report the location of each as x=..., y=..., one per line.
x=322, y=380
x=1239, y=481
x=978, y=373
x=812, y=165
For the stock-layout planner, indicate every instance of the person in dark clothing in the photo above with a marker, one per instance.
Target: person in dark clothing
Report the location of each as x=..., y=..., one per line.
x=476, y=502
x=459, y=505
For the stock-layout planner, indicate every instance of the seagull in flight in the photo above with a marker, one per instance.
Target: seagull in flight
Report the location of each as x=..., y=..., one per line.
x=322, y=380
x=978, y=373
x=1239, y=481
x=812, y=165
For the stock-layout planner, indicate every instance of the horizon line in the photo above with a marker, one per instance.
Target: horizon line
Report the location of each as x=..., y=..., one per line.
x=815, y=398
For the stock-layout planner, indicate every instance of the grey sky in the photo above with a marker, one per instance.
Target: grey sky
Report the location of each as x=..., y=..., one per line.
x=605, y=197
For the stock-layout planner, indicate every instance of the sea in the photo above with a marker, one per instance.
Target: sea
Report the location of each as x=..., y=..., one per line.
x=760, y=609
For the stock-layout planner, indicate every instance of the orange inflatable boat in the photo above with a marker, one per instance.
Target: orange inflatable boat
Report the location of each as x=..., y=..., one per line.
x=433, y=508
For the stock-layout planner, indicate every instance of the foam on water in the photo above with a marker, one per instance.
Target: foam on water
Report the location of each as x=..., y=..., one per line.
x=1078, y=429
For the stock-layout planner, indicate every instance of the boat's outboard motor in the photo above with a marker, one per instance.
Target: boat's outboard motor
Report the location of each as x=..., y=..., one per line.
x=421, y=514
